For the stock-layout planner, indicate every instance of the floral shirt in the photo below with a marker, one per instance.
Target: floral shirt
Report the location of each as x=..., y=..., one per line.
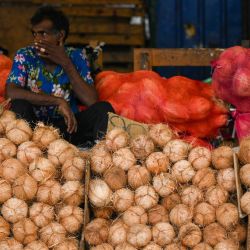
x=28, y=71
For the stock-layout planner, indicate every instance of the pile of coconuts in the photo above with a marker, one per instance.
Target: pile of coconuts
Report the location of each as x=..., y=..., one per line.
x=41, y=187
x=244, y=157
x=154, y=191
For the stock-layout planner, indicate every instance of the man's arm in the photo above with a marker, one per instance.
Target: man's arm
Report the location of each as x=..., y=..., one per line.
x=16, y=92
x=86, y=93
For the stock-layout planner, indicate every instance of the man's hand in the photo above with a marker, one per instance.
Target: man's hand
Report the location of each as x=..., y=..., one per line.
x=55, y=53
x=68, y=115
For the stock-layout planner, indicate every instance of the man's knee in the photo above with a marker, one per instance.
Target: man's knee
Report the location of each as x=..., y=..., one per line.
x=18, y=105
x=104, y=107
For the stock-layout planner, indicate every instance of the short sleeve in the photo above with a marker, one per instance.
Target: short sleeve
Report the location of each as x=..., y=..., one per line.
x=82, y=66
x=18, y=73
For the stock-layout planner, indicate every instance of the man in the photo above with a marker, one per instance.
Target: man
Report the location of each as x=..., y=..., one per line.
x=47, y=79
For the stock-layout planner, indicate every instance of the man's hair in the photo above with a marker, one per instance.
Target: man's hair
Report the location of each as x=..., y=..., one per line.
x=57, y=17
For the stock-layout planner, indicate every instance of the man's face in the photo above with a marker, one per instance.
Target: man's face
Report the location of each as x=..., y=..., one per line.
x=44, y=31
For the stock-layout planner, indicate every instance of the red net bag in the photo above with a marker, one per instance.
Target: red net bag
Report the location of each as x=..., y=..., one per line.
x=5, y=62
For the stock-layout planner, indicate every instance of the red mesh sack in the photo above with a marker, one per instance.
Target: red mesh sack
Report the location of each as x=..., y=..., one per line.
x=3, y=77
x=231, y=77
x=188, y=105
x=5, y=62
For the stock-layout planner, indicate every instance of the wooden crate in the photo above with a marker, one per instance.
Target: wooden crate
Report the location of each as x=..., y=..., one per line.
x=149, y=58
x=86, y=206
x=239, y=195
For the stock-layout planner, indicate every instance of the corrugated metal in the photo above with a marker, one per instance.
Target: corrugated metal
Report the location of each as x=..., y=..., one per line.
x=198, y=23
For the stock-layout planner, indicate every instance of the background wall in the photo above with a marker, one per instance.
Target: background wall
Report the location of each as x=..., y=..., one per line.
x=197, y=23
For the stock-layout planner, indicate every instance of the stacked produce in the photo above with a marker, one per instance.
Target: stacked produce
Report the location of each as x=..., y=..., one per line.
x=41, y=189
x=244, y=157
x=155, y=191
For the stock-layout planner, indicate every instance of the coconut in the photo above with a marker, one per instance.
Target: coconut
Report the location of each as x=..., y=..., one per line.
x=117, y=233
x=164, y=184
x=175, y=246
x=204, y=178
x=13, y=210
x=49, y=192
x=124, y=158
x=27, y=152
x=25, y=187
x=157, y=163
x=115, y=177
x=204, y=214
x=152, y=246
x=72, y=193
x=96, y=232
x=73, y=169
x=163, y=233
x=216, y=195
x=6, y=118
x=146, y=197
x=135, y=215
x=10, y=244
x=139, y=235
x=156, y=214
x=171, y=201
x=99, y=193
x=176, y=150
x=60, y=150
x=25, y=231
x=183, y=171
x=11, y=169
x=123, y=199
x=138, y=176
x=4, y=228
x=69, y=244
x=116, y=138
x=53, y=234
x=160, y=133
x=125, y=246
x=213, y=234
x=200, y=157
x=42, y=169
x=239, y=233
x=244, y=151
x=191, y=195
x=180, y=215
x=202, y=246
x=103, y=212
x=227, y=215
x=6, y=190
x=41, y=214
x=245, y=202
x=43, y=135
x=71, y=218
x=142, y=146
x=7, y=149
x=190, y=235
x=222, y=157
x=226, y=179
x=36, y=245
x=244, y=175
x=18, y=131
x=104, y=246
x=100, y=158
x=226, y=245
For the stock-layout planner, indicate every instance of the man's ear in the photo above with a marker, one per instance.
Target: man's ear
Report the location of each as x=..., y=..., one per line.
x=61, y=37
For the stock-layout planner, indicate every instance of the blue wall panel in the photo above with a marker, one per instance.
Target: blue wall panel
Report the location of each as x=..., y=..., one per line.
x=197, y=23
